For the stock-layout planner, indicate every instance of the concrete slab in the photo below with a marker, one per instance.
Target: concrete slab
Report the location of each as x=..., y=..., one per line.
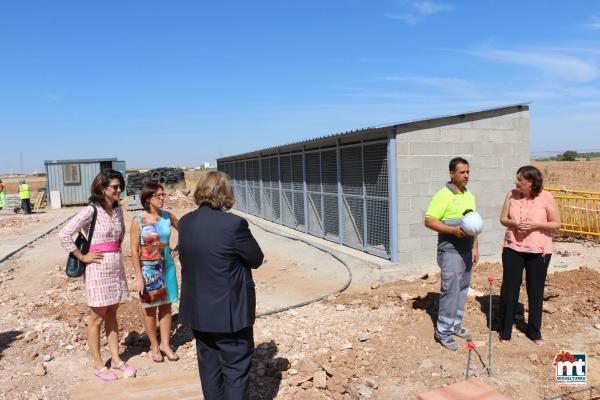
x=471, y=389
x=183, y=385
x=11, y=247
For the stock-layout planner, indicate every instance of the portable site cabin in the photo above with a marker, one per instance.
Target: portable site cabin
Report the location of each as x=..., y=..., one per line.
x=369, y=189
x=72, y=179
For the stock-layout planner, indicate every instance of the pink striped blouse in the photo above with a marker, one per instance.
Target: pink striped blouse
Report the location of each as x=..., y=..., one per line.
x=105, y=282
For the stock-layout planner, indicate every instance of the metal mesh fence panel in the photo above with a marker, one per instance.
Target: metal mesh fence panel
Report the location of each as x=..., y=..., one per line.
x=267, y=203
x=314, y=197
x=286, y=171
x=253, y=183
x=297, y=172
x=290, y=180
x=331, y=217
x=376, y=170
x=315, y=214
x=313, y=172
x=377, y=200
x=240, y=177
x=273, y=178
x=330, y=199
x=298, y=191
x=288, y=208
x=352, y=178
x=378, y=220
x=353, y=221
x=266, y=200
x=254, y=200
x=352, y=187
x=276, y=205
x=329, y=171
x=298, y=198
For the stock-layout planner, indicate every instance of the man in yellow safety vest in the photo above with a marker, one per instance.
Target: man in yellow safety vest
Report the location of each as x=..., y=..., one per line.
x=25, y=195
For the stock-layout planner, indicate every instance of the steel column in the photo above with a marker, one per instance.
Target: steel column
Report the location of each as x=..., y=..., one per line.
x=261, y=210
x=364, y=193
x=280, y=191
x=322, y=193
x=305, y=187
x=338, y=161
x=392, y=195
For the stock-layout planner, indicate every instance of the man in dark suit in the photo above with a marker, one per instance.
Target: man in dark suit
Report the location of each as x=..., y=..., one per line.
x=218, y=298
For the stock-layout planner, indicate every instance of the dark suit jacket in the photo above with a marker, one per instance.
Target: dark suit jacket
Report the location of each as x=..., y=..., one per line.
x=217, y=250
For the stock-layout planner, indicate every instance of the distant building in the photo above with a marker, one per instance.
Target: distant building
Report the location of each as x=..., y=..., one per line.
x=73, y=178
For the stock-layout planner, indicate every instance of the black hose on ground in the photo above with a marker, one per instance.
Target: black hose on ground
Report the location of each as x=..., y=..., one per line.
x=305, y=303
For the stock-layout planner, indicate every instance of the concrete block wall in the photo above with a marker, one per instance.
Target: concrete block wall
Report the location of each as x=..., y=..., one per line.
x=496, y=143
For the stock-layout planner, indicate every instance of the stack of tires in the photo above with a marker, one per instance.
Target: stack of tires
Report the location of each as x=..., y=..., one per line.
x=165, y=176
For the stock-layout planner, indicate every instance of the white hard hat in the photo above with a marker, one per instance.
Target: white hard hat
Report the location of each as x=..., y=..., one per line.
x=472, y=224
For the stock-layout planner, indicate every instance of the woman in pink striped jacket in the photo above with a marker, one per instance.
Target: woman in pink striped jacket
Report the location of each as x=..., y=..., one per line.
x=105, y=280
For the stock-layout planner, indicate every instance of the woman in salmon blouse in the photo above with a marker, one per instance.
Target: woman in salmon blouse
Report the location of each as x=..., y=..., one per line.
x=530, y=215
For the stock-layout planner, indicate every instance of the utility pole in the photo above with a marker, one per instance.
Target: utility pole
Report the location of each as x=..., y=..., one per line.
x=21, y=160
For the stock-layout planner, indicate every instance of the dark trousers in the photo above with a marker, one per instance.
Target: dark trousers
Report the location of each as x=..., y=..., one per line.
x=26, y=206
x=536, y=269
x=224, y=361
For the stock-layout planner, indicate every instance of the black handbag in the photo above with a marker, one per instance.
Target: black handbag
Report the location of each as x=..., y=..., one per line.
x=76, y=267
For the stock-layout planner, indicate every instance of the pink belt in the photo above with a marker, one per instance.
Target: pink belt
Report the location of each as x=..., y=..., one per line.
x=106, y=247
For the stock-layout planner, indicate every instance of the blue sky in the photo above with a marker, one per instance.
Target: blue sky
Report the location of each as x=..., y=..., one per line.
x=182, y=82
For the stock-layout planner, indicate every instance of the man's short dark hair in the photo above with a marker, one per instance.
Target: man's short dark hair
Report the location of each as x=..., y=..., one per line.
x=455, y=161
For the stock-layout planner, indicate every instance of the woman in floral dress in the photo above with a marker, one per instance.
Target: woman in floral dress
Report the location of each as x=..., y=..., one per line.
x=152, y=259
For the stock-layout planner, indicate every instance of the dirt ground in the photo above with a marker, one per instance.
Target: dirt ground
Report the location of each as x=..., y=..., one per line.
x=574, y=175
x=372, y=342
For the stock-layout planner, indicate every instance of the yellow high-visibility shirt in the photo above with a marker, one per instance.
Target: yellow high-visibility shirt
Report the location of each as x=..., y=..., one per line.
x=24, y=192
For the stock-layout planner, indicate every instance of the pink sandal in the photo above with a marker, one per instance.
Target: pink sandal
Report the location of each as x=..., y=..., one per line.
x=128, y=371
x=539, y=342
x=104, y=374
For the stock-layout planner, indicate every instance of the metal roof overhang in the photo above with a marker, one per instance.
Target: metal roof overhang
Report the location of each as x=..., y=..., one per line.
x=80, y=161
x=379, y=132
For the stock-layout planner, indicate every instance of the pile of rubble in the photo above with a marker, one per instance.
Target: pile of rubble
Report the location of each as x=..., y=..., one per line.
x=179, y=199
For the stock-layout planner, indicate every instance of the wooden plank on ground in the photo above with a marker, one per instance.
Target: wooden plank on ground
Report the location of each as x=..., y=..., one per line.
x=471, y=389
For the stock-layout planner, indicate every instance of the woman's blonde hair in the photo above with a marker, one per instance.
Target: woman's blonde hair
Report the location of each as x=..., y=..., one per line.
x=214, y=188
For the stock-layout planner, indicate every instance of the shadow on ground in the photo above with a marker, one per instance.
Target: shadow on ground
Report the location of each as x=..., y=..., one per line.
x=135, y=344
x=6, y=338
x=429, y=304
x=265, y=376
x=519, y=318
x=267, y=368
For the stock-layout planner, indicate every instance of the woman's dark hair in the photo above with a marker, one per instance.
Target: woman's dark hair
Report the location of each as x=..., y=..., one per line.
x=101, y=182
x=148, y=191
x=533, y=175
